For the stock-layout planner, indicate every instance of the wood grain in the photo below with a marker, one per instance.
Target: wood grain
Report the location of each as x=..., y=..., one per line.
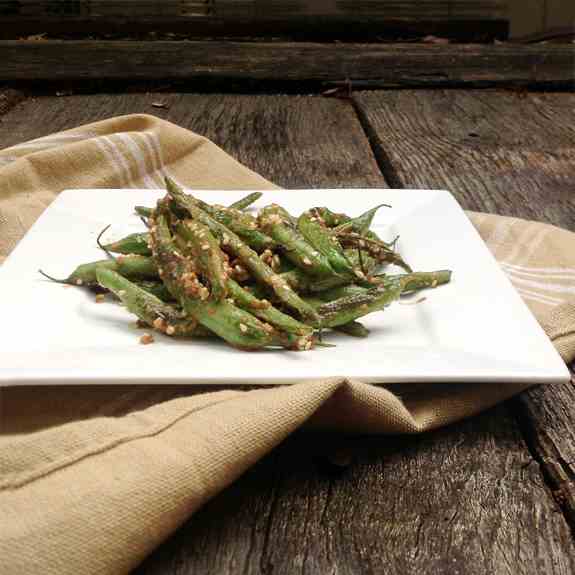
x=499, y=152
x=546, y=415
x=292, y=141
x=378, y=64
x=9, y=98
x=467, y=499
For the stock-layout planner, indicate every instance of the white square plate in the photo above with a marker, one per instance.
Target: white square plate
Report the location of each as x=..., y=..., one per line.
x=475, y=329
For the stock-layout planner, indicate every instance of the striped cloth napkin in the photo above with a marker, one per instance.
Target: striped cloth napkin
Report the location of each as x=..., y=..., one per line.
x=93, y=478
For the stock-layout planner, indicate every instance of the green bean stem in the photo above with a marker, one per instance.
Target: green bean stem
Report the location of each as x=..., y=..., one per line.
x=351, y=307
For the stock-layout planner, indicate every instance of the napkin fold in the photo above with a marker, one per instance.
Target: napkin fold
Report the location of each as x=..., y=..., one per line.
x=93, y=478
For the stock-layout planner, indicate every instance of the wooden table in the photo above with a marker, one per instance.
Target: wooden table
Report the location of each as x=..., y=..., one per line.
x=490, y=495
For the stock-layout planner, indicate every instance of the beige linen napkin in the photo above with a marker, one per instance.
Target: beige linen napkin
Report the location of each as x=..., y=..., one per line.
x=93, y=478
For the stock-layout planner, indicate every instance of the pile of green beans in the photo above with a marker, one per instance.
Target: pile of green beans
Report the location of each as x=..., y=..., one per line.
x=256, y=281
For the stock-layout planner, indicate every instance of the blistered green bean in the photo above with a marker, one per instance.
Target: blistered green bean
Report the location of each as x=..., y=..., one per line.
x=208, y=255
x=362, y=223
x=353, y=328
x=325, y=243
x=296, y=248
x=144, y=211
x=147, y=307
x=248, y=200
x=137, y=243
x=131, y=266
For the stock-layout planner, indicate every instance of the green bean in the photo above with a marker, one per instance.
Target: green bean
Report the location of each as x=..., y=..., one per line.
x=178, y=273
x=248, y=200
x=411, y=282
x=347, y=309
x=298, y=281
x=361, y=260
x=148, y=308
x=244, y=225
x=144, y=211
x=264, y=310
x=245, y=254
x=156, y=288
x=351, y=307
x=362, y=223
x=376, y=249
x=282, y=213
x=208, y=255
x=329, y=218
x=416, y=281
x=341, y=291
x=133, y=244
x=322, y=240
x=131, y=266
x=297, y=249
x=353, y=328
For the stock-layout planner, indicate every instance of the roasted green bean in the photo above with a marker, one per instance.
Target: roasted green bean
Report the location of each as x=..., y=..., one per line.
x=248, y=200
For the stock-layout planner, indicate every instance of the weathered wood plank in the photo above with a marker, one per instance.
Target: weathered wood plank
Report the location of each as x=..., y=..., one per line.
x=468, y=498
x=293, y=141
x=378, y=65
x=547, y=417
x=497, y=152
x=480, y=20
x=320, y=28
x=500, y=152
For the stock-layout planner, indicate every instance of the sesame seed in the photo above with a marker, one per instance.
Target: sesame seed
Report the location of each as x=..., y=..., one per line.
x=306, y=261
x=79, y=282
x=243, y=328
